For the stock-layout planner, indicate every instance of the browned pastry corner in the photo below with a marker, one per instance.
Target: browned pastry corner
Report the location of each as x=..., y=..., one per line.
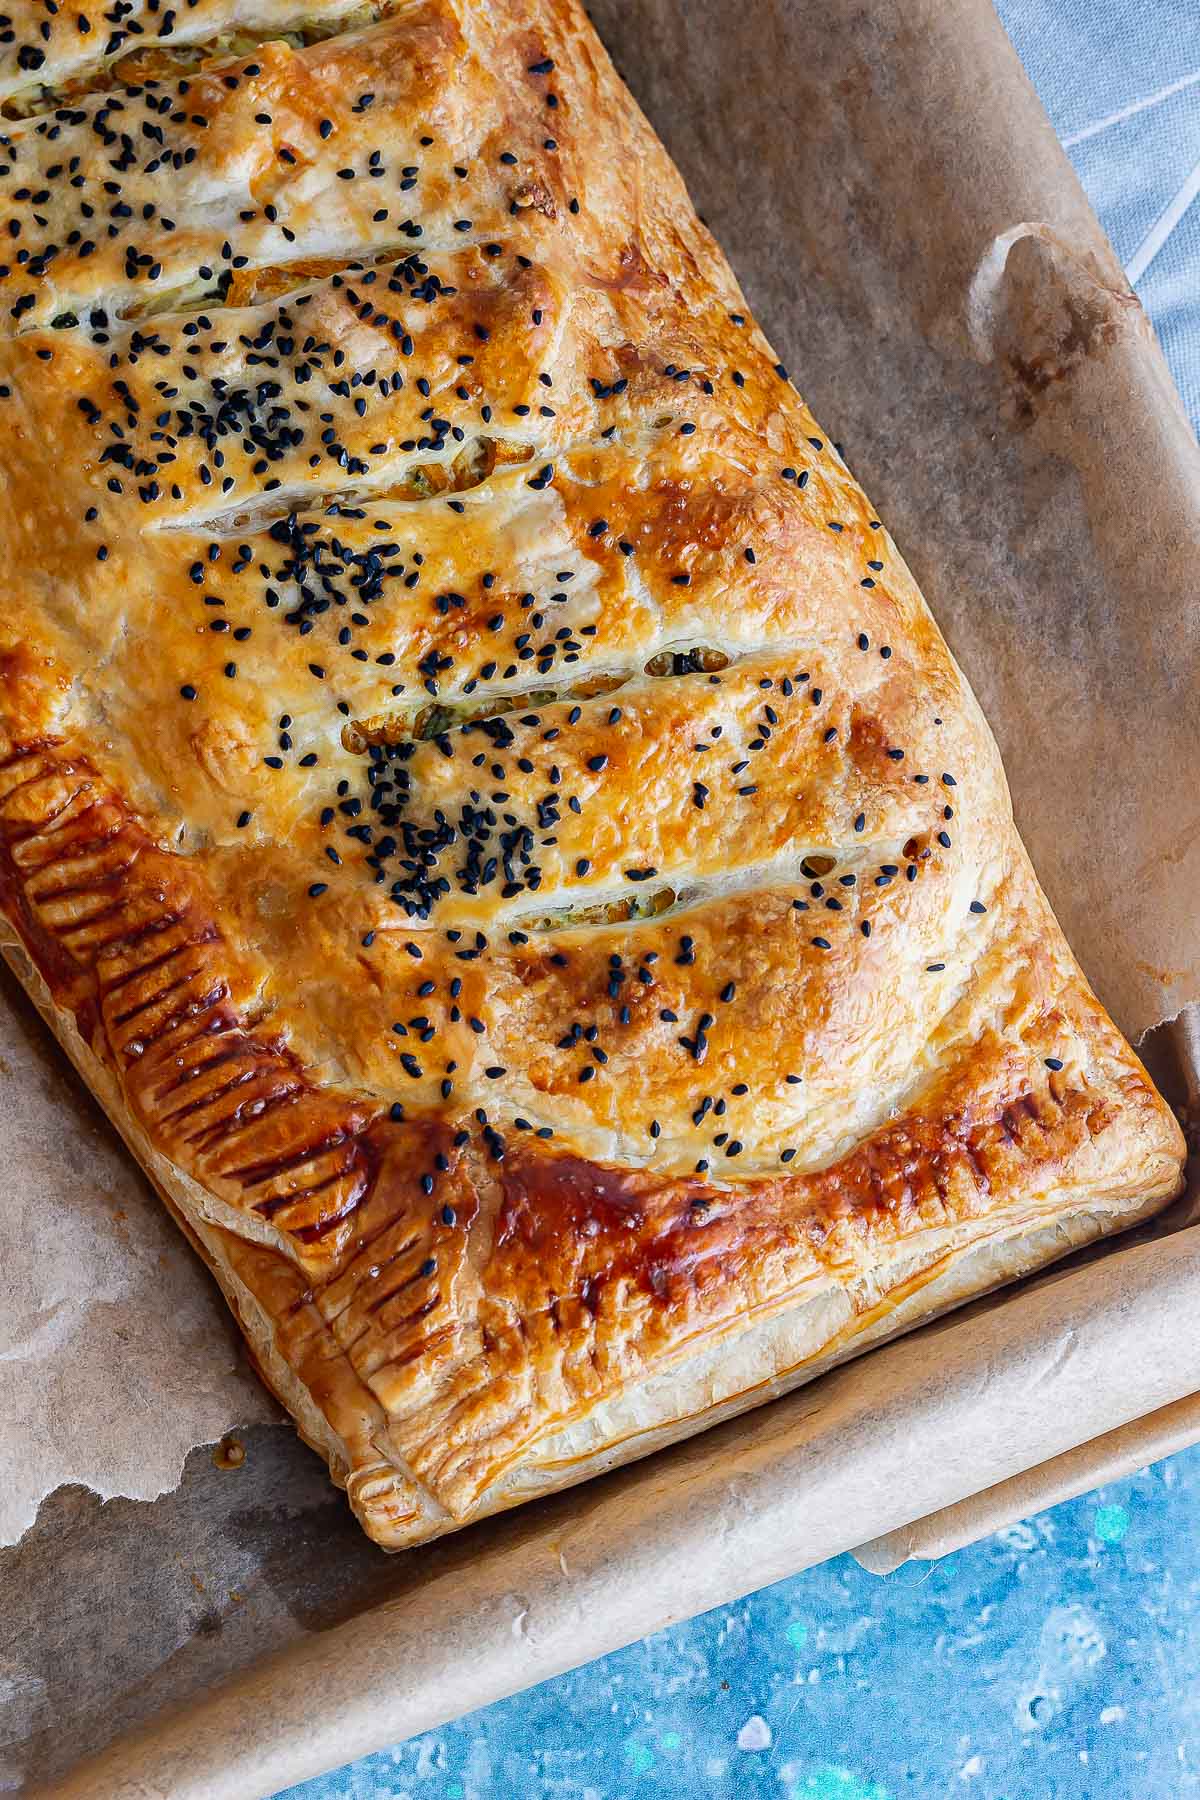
x=481, y=797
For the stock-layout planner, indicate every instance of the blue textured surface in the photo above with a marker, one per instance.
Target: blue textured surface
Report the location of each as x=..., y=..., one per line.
x=1055, y=1661
x=1059, y=1660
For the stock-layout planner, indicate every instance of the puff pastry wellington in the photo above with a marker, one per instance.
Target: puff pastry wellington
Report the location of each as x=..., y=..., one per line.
x=481, y=798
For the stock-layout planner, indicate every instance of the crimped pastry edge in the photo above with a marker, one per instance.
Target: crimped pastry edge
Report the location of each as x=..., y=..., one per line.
x=785, y=1351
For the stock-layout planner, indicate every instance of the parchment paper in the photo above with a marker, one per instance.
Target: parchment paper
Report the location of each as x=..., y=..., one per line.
x=116, y=1355
x=1097, y=1463
x=904, y=223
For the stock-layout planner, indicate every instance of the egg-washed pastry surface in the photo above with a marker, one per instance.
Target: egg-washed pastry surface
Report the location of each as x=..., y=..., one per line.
x=481, y=797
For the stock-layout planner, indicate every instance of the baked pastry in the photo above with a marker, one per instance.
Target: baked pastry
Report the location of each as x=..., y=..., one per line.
x=481, y=797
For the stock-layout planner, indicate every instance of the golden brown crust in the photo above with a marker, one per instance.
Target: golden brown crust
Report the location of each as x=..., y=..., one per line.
x=489, y=808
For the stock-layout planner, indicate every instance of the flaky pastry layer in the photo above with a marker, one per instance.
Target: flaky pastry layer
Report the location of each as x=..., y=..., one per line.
x=482, y=799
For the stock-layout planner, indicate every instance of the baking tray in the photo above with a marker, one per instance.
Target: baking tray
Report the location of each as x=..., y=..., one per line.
x=190, y=1634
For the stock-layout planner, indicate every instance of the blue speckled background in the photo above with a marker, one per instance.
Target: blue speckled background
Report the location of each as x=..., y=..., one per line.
x=1060, y=1659
x=1056, y=1661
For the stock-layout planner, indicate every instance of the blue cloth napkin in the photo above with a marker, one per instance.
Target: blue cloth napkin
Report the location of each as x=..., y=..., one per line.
x=1121, y=83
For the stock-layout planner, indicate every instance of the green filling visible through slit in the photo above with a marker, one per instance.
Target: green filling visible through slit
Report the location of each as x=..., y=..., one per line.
x=150, y=63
